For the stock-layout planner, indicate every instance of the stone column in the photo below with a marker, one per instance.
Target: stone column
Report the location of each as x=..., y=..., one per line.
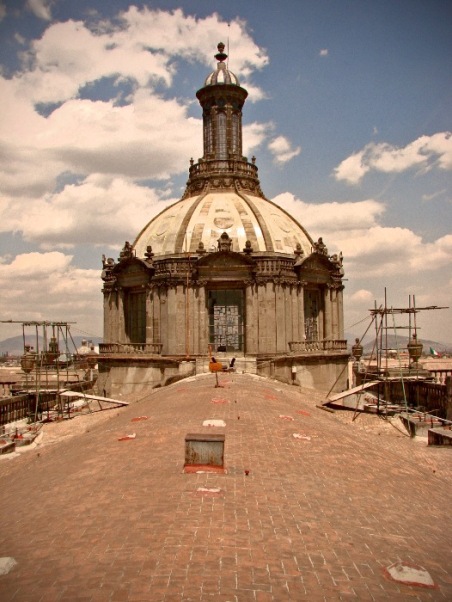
x=108, y=317
x=263, y=318
x=288, y=312
x=176, y=320
x=295, y=317
x=340, y=310
x=201, y=322
x=164, y=338
x=300, y=296
x=121, y=322
x=115, y=337
x=334, y=330
x=271, y=325
x=149, y=316
x=251, y=319
x=279, y=318
x=328, y=330
x=156, y=317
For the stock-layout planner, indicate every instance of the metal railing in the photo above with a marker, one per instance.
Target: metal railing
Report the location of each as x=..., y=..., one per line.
x=35, y=402
x=15, y=408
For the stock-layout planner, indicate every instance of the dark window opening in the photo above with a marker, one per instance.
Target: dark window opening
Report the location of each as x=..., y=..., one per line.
x=226, y=319
x=135, y=317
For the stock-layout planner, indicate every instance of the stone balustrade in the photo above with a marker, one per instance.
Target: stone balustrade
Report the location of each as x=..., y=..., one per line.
x=440, y=374
x=156, y=348
x=231, y=166
x=315, y=346
x=131, y=348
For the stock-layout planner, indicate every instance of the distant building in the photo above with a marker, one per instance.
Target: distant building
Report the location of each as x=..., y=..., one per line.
x=223, y=268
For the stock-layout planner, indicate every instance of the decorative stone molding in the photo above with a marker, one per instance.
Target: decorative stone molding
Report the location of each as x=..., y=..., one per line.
x=149, y=254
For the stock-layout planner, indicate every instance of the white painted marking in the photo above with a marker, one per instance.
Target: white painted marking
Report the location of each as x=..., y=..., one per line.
x=212, y=422
x=6, y=565
x=410, y=574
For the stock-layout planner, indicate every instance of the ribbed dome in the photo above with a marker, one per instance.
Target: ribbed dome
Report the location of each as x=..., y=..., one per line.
x=223, y=193
x=221, y=75
x=202, y=219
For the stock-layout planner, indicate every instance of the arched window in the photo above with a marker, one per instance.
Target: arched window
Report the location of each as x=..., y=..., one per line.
x=208, y=142
x=235, y=130
x=221, y=137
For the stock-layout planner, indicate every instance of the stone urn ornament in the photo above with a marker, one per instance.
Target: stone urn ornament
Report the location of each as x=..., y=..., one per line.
x=414, y=351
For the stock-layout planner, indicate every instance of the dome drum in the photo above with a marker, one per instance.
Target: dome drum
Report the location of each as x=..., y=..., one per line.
x=272, y=287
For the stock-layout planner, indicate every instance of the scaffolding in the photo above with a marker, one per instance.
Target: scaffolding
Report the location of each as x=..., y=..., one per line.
x=380, y=373
x=47, y=364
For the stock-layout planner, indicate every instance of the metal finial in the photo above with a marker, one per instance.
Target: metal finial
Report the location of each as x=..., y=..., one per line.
x=221, y=56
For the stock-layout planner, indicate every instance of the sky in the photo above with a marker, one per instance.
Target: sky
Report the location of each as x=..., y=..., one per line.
x=349, y=115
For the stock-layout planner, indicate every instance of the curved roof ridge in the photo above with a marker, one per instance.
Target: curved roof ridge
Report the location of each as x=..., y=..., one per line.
x=260, y=220
x=179, y=244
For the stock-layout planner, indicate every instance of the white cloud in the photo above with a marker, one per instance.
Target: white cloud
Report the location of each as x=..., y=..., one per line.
x=362, y=296
x=423, y=153
x=40, y=8
x=60, y=291
x=254, y=134
x=85, y=138
x=282, y=150
x=323, y=52
x=325, y=219
x=147, y=47
x=370, y=250
x=2, y=11
x=96, y=211
x=434, y=195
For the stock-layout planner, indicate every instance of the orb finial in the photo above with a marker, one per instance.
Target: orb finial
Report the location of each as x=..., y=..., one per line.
x=221, y=56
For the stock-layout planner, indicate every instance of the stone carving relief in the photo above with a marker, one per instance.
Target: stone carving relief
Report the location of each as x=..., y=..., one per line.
x=248, y=248
x=337, y=261
x=127, y=251
x=107, y=269
x=320, y=247
x=224, y=243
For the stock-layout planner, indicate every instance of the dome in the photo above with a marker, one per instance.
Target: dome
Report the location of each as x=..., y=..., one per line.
x=224, y=269
x=221, y=75
x=202, y=219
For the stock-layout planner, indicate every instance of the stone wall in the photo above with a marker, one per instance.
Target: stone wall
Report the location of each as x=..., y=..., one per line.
x=131, y=376
x=314, y=372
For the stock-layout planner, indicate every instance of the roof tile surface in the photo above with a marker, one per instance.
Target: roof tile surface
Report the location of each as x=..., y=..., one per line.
x=318, y=517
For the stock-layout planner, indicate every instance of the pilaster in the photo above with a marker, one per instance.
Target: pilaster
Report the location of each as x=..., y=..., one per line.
x=328, y=334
